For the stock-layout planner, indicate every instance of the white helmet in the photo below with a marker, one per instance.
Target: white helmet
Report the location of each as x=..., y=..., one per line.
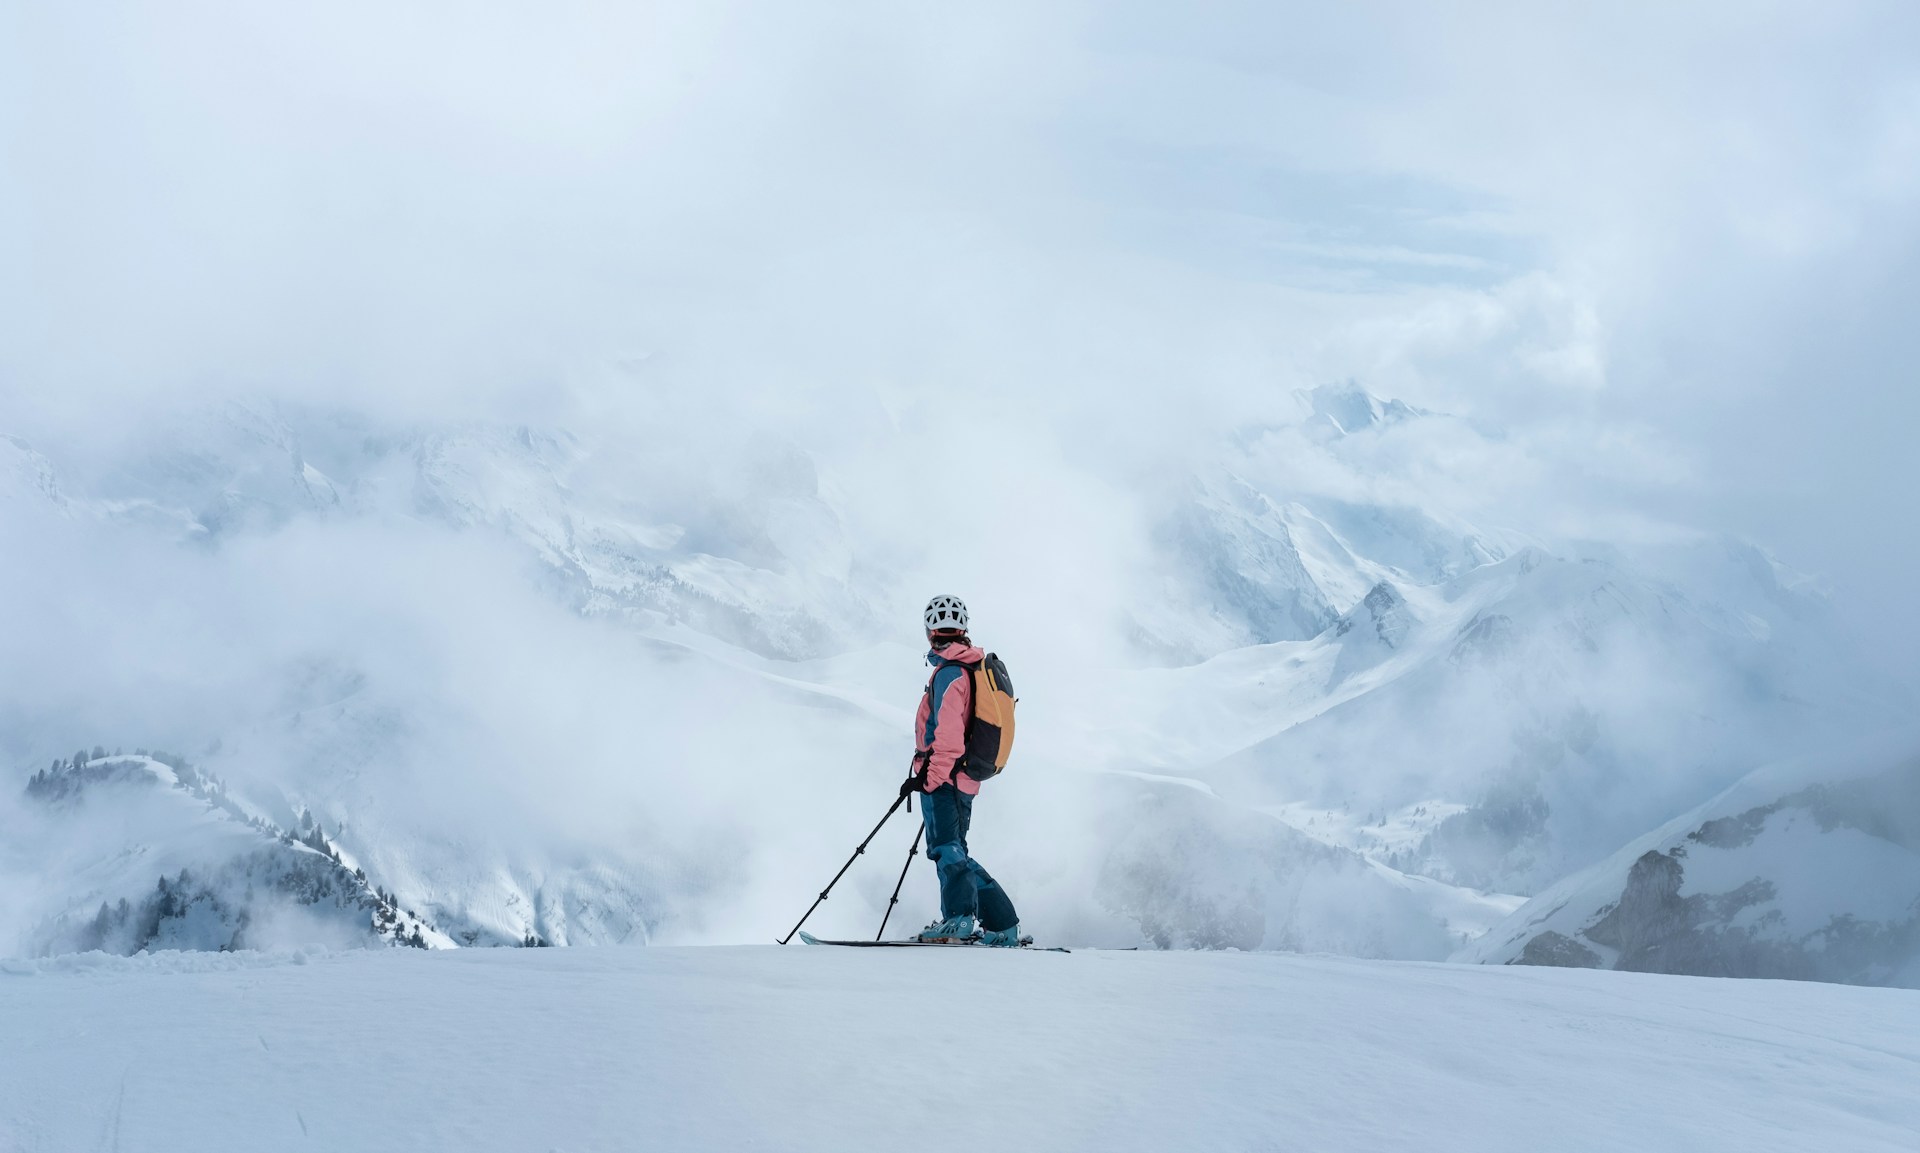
x=946, y=613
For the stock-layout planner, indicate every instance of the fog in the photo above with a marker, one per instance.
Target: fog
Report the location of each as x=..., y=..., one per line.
x=893, y=302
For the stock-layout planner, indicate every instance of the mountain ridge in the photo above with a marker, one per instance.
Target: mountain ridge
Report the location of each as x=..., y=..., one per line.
x=1310, y=654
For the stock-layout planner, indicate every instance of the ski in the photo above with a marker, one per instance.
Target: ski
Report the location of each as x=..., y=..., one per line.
x=910, y=943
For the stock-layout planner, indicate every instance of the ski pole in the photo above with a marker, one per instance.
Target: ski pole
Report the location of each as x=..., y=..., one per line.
x=843, y=869
x=912, y=852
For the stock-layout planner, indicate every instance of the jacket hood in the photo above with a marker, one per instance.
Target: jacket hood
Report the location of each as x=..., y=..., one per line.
x=955, y=651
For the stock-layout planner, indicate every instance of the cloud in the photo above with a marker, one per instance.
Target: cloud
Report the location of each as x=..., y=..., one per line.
x=995, y=280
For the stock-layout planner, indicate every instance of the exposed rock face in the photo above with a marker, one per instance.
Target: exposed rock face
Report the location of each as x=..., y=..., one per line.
x=1656, y=930
x=1381, y=616
x=1560, y=951
x=1821, y=882
x=1373, y=632
x=1649, y=911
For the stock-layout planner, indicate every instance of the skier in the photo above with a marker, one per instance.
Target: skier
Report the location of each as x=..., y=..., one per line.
x=967, y=891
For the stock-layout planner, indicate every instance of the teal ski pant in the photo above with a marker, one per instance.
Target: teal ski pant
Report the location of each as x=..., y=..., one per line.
x=965, y=888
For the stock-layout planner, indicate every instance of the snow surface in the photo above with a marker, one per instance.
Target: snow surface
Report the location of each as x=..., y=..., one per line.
x=833, y=1049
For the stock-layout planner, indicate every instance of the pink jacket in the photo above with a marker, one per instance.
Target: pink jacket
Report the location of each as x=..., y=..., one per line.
x=940, y=726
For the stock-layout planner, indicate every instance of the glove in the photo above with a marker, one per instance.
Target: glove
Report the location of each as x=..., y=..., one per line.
x=917, y=783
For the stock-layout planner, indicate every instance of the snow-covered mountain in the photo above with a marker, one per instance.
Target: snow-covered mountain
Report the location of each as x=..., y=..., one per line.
x=764, y=564
x=193, y=867
x=534, y=686
x=461, y=835
x=1808, y=871
x=1550, y=698
x=1562, y=700
x=1193, y=871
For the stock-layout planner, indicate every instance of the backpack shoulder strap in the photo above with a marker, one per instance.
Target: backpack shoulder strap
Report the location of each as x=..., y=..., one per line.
x=933, y=678
x=973, y=687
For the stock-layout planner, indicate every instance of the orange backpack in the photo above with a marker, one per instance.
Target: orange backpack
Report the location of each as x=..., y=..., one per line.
x=989, y=717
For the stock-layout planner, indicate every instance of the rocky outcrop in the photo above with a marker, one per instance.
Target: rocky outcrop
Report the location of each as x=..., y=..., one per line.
x=1819, y=882
x=1381, y=617
x=1559, y=951
x=1656, y=930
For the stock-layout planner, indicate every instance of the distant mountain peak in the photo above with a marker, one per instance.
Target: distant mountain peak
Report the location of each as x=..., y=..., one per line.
x=1381, y=616
x=1343, y=408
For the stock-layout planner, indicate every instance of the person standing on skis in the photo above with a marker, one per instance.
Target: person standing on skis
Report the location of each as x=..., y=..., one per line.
x=971, y=901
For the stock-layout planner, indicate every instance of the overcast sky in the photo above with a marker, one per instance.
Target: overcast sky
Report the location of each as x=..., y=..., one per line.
x=1671, y=249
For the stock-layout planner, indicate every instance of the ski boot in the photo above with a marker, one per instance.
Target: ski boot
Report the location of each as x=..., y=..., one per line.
x=1007, y=938
x=952, y=931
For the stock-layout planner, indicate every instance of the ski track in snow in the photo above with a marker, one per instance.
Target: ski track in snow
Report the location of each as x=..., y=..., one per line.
x=836, y=1049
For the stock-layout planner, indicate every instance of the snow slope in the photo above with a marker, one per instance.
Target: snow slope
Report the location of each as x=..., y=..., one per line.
x=804, y=1048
